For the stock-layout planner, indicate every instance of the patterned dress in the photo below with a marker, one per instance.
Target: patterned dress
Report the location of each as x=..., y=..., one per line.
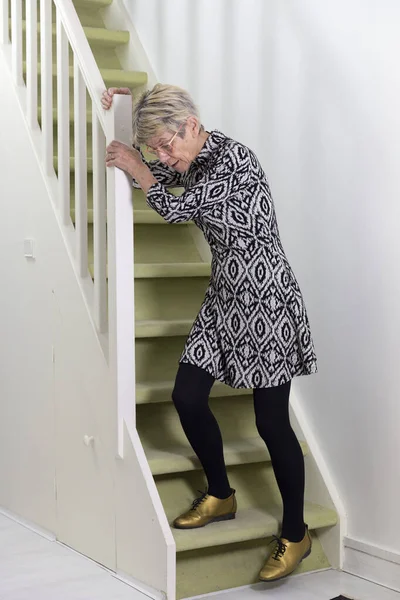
x=252, y=330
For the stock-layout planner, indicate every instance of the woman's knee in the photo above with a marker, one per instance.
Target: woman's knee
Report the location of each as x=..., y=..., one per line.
x=271, y=407
x=191, y=390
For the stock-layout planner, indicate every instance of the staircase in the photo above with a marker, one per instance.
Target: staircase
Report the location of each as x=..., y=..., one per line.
x=170, y=280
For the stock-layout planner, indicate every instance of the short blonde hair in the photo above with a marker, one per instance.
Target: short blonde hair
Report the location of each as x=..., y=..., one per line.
x=165, y=107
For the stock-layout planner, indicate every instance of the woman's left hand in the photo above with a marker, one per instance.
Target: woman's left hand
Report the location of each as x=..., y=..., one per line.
x=124, y=157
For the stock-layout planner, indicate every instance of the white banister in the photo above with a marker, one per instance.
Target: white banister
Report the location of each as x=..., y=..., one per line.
x=121, y=323
x=63, y=123
x=112, y=301
x=46, y=79
x=99, y=224
x=16, y=39
x=31, y=62
x=81, y=49
x=80, y=155
x=4, y=16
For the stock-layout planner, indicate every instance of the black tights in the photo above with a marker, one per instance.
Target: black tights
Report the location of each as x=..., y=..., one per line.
x=271, y=406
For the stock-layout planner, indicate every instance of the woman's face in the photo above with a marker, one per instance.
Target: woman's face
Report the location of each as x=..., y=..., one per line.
x=175, y=151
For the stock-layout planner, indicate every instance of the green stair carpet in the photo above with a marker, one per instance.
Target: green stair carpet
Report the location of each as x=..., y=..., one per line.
x=170, y=280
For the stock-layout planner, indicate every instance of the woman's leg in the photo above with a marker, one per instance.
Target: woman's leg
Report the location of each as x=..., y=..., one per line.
x=190, y=396
x=271, y=407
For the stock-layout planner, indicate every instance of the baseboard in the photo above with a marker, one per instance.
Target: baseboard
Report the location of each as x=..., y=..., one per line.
x=320, y=484
x=372, y=563
x=48, y=535
x=140, y=586
x=254, y=587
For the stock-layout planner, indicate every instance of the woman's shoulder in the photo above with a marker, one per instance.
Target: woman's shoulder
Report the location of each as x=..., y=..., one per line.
x=228, y=147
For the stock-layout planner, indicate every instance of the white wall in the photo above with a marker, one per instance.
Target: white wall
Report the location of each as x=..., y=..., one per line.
x=314, y=88
x=27, y=445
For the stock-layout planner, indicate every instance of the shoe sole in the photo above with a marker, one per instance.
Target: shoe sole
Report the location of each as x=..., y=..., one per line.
x=227, y=517
x=287, y=574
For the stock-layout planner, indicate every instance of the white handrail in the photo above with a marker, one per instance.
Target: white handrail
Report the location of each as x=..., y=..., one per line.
x=81, y=49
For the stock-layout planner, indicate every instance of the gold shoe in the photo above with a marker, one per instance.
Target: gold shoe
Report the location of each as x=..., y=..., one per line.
x=285, y=558
x=207, y=509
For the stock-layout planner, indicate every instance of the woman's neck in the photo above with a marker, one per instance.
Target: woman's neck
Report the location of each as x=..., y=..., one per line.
x=203, y=136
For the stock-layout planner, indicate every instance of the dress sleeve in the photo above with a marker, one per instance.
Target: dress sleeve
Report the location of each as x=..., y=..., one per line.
x=227, y=176
x=162, y=173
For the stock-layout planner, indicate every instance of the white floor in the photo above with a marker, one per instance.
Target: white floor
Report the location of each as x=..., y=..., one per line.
x=323, y=585
x=34, y=568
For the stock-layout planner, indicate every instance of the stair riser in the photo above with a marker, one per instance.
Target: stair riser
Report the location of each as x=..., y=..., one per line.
x=157, y=358
x=139, y=199
x=233, y=565
x=100, y=48
x=151, y=395
x=89, y=15
x=162, y=244
x=158, y=243
x=161, y=426
x=254, y=483
x=169, y=298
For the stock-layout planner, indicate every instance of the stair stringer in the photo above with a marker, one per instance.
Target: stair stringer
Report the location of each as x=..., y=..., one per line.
x=320, y=486
x=132, y=55
x=131, y=502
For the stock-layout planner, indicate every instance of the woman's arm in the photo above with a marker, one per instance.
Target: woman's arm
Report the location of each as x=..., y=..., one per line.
x=228, y=177
x=144, y=174
x=164, y=174
x=130, y=160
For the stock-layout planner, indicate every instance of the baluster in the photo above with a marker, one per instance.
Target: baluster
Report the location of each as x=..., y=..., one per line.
x=80, y=134
x=31, y=62
x=63, y=123
x=4, y=14
x=16, y=40
x=99, y=224
x=46, y=66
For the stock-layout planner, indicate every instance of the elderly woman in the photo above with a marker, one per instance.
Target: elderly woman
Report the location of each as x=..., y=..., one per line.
x=252, y=330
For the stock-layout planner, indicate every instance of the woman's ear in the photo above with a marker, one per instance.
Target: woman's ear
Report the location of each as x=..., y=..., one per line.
x=193, y=126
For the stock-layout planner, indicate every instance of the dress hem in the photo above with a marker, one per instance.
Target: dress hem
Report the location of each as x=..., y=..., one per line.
x=312, y=370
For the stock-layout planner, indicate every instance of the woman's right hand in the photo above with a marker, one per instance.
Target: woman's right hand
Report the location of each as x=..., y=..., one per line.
x=107, y=96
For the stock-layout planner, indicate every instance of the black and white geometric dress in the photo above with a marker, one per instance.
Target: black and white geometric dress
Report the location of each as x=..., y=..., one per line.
x=252, y=330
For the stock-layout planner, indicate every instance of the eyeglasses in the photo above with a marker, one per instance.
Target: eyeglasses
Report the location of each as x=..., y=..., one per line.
x=164, y=148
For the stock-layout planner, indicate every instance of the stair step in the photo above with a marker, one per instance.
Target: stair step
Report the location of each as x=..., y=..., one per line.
x=109, y=38
x=173, y=270
x=89, y=115
x=181, y=458
x=250, y=524
x=89, y=163
x=171, y=328
x=140, y=217
x=92, y=3
x=111, y=77
x=156, y=392
x=150, y=270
